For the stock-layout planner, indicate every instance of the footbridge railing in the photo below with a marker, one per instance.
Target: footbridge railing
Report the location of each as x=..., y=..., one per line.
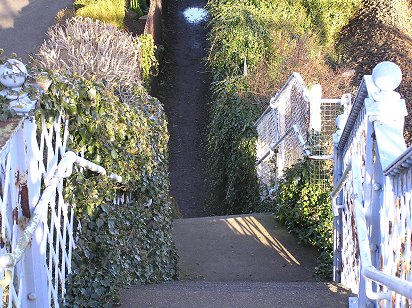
x=372, y=197
x=36, y=223
x=297, y=123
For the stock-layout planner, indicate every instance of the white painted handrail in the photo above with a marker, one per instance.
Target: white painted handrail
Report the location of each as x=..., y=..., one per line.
x=334, y=194
x=63, y=170
x=273, y=146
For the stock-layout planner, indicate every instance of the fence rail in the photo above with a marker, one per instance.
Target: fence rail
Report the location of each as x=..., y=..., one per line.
x=311, y=118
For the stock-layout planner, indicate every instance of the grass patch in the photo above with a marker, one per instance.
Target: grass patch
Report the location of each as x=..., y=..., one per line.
x=110, y=11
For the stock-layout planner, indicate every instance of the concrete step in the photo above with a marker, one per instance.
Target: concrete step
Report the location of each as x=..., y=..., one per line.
x=239, y=261
x=200, y=294
x=251, y=247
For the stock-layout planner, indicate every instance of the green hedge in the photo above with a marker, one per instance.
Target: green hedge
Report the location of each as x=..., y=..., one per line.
x=231, y=143
x=121, y=244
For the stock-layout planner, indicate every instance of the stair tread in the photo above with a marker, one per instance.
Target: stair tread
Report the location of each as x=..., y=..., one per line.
x=250, y=247
x=236, y=294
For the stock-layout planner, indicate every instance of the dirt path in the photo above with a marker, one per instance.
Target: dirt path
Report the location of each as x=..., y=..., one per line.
x=183, y=88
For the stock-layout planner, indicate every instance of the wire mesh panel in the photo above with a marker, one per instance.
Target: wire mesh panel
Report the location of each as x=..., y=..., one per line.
x=267, y=134
x=296, y=112
x=321, y=143
x=292, y=107
x=286, y=109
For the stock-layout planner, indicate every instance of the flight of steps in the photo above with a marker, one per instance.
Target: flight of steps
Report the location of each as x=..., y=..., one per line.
x=239, y=261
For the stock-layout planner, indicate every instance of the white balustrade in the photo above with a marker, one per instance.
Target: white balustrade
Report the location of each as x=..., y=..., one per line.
x=371, y=200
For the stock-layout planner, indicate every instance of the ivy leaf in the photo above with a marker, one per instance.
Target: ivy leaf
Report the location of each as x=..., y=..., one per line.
x=113, y=153
x=99, y=222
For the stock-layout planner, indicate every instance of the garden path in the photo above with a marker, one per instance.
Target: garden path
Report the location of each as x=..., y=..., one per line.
x=183, y=88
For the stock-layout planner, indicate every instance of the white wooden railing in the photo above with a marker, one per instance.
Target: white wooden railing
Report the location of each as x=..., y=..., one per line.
x=371, y=200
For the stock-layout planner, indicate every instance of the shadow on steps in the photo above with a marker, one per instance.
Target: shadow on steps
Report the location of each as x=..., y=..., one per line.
x=249, y=247
x=239, y=261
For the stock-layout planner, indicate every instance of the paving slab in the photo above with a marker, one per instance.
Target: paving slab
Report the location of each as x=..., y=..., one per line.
x=241, y=248
x=24, y=23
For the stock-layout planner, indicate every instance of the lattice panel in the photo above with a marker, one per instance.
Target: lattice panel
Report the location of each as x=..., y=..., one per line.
x=396, y=231
x=350, y=275
x=28, y=162
x=10, y=211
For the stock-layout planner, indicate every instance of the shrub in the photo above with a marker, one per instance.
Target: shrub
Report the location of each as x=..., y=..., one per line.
x=93, y=50
x=304, y=208
x=117, y=244
x=109, y=11
x=231, y=144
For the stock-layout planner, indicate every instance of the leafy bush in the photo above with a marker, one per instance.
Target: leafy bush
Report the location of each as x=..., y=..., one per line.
x=304, y=208
x=116, y=124
x=117, y=244
x=91, y=49
x=231, y=143
x=109, y=11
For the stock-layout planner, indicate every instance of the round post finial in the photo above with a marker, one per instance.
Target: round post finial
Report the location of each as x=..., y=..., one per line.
x=386, y=76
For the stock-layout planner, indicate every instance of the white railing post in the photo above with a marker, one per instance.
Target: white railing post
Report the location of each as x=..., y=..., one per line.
x=35, y=293
x=314, y=96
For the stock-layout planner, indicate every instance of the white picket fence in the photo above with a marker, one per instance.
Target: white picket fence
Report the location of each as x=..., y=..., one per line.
x=371, y=200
